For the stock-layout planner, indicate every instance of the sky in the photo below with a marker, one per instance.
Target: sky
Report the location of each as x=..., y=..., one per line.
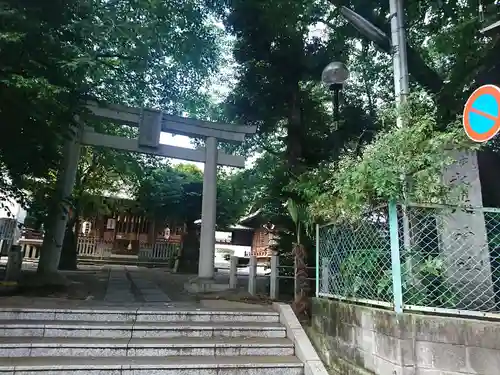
x=183, y=141
x=179, y=141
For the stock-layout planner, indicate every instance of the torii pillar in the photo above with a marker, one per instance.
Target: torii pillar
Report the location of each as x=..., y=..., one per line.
x=208, y=212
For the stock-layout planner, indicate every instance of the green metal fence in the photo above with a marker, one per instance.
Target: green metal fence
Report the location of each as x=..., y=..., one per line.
x=417, y=257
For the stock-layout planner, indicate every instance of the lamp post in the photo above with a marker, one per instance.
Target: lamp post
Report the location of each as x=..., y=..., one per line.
x=334, y=75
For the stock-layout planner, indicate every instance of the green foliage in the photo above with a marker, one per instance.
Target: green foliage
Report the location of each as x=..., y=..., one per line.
x=427, y=283
x=280, y=61
x=175, y=192
x=402, y=164
x=301, y=219
x=360, y=274
x=167, y=191
x=307, y=158
x=55, y=54
x=279, y=89
x=230, y=200
x=447, y=56
x=361, y=263
x=38, y=89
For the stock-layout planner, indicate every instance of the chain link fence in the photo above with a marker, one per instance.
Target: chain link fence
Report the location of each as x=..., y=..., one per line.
x=419, y=257
x=450, y=258
x=355, y=259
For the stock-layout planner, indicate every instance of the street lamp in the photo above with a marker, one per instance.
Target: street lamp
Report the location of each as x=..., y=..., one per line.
x=334, y=75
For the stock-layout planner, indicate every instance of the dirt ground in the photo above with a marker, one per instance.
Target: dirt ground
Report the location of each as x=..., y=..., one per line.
x=80, y=285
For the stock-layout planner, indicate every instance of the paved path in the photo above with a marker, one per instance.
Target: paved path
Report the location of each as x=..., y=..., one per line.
x=127, y=286
x=147, y=290
x=139, y=285
x=119, y=287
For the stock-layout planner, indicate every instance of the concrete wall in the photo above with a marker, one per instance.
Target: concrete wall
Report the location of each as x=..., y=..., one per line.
x=357, y=340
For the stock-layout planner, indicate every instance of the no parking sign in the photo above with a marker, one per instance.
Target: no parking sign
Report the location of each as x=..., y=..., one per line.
x=481, y=113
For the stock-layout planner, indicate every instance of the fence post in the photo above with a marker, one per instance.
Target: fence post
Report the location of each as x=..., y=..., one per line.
x=252, y=276
x=233, y=272
x=274, y=277
x=395, y=257
x=325, y=275
x=317, y=260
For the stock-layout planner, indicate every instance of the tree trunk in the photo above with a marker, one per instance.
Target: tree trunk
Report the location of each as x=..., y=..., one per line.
x=50, y=251
x=68, y=260
x=294, y=135
x=190, y=254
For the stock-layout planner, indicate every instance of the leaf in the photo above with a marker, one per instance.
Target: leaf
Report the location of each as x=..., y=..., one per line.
x=293, y=210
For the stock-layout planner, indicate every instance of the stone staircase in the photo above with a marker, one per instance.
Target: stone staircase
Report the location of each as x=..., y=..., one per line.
x=145, y=340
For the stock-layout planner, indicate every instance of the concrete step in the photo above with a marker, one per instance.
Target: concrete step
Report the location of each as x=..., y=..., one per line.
x=143, y=329
x=108, y=347
x=162, y=313
x=203, y=365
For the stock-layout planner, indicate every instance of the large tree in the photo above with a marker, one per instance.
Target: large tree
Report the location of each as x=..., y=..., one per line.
x=281, y=60
x=39, y=85
x=55, y=54
x=282, y=47
x=278, y=89
x=447, y=54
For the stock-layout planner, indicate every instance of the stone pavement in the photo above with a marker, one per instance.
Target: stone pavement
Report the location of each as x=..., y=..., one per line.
x=133, y=287
x=147, y=289
x=119, y=287
x=127, y=286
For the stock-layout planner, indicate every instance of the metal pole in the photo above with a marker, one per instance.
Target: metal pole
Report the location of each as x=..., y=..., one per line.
x=274, y=278
x=335, y=90
x=317, y=261
x=395, y=258
x=403, y=58
x=401, y=89
x=396, y=56
x=336, y=110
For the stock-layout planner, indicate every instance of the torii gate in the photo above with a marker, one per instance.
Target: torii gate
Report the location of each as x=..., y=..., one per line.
x=151, y=123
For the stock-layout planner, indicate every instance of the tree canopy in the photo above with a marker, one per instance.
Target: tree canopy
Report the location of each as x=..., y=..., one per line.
x=175, y=192
x=56, y=54
x=356, y=162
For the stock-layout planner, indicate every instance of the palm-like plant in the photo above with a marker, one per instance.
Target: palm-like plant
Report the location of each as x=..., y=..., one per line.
x=301, y=218
x=303, y=224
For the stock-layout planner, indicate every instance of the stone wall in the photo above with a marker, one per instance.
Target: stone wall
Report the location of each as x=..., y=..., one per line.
x=463, y=238
x=358, y=340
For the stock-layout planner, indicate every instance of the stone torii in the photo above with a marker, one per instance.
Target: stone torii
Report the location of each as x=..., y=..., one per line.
x=150, y=123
